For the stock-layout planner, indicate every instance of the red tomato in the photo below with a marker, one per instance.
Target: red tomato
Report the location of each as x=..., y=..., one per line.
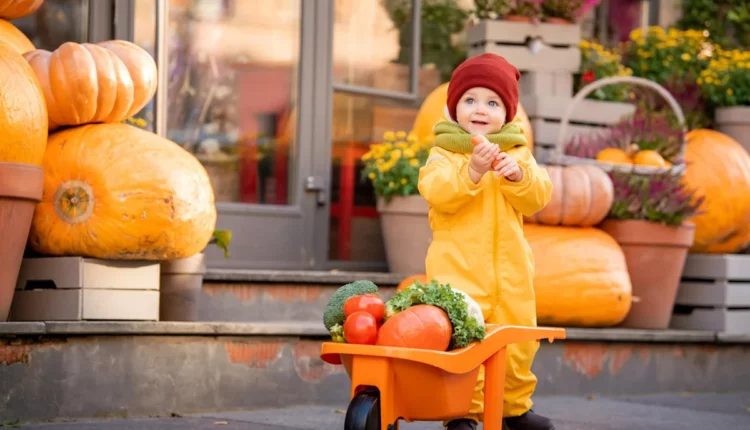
x=361, y=328
x=370, y=303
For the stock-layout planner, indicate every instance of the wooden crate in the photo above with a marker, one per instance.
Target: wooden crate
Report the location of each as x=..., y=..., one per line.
x=77, y=289
x=589, y=116
x=560, y=52
x=714, y=294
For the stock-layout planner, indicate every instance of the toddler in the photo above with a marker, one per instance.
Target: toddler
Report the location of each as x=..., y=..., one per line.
x=479, y=180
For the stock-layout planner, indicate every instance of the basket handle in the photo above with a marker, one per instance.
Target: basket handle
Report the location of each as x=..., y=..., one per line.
x=588, y=89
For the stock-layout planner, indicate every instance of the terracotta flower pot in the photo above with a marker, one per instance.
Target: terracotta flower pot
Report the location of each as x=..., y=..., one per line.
x=517, y=18
x=655, y=255
x=556, y=20
x=21, y=188
x=180, y=286
x=406, y=233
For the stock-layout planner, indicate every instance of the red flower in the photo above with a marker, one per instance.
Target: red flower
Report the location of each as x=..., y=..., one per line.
x=588, y=77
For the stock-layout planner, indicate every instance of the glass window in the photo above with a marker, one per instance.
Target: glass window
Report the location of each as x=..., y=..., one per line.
x=144, y=35
x=232, y=94
x=56, y=22
x=372, y=44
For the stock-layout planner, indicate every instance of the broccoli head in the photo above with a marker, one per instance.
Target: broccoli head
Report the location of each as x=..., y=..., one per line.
x=334, y=313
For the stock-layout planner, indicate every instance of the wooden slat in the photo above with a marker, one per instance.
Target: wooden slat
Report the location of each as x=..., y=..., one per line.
x=714, y=294
x=518, y=32
x=723, y=320
x=548, y=59
x=732, y=267
x=586, y=111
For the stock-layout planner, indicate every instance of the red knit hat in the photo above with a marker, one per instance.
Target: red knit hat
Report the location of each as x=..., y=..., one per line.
x=489, y=71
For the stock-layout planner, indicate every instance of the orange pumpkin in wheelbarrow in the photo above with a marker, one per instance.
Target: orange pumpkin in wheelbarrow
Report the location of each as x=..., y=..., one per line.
x=392, y=383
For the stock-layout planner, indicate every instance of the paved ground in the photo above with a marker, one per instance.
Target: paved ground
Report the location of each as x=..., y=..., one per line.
x=654, y=412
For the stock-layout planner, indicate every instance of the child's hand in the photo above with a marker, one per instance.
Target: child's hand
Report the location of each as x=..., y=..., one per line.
x=508, y=167
x=484, y=154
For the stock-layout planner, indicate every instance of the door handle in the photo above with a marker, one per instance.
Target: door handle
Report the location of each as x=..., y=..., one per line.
x=316, y=184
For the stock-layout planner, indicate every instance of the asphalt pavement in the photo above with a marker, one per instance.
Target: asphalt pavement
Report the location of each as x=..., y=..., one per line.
x=680, y=411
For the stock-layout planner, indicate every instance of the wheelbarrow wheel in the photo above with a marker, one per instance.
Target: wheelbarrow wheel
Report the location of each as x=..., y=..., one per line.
x=364, y=412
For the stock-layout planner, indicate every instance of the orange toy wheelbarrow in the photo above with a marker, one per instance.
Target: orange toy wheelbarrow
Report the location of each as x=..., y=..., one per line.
x=391, y=384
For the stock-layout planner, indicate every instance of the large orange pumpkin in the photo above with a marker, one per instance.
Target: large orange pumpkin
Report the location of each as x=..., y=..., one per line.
x=582, y=196
x=432, y=111
x=115, y=191
x=86, y=83
x=15, y=37
x=420, y=327
x=23, y=113
x=581, y=277
x=12, y=9
x=719, y=168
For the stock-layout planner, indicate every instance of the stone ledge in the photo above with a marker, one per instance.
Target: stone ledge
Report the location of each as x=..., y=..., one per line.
x=316, y=329
x=301, y=276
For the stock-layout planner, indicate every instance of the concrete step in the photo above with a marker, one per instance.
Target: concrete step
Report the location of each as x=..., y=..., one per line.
x=54, y=370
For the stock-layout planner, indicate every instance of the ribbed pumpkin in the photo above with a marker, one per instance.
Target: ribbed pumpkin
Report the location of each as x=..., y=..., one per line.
x=581, y=278
x=12, y=9
x=419, y=327
x=115, y=191
x=582, y=196
x=719, y=168
x=91, y=83
x=23, y=113
x=15, y=37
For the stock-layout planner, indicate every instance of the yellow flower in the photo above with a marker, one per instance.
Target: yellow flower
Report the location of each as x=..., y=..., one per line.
x=396, y=154
x=403, y=181
x=685, y=57
x=389, y=135
x=414, y=162
x=408, y=153
x=730, y=91
x=371, y=175
x=401, y=135
x=391, y=184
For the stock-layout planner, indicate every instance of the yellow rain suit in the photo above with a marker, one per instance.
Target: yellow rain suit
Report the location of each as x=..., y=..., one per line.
x=479, y=246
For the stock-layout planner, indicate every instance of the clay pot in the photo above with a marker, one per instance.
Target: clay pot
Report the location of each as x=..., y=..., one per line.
x=21, y=188
x=556, y=20
x=406, y=233
x=180, y=287
x=516, y=18
x=655, y=255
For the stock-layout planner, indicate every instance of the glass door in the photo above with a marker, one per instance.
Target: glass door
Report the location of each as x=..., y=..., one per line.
x=238, y=95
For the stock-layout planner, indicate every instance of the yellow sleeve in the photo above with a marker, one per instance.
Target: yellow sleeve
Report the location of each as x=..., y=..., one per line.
x=532, y=193
x=444, y=181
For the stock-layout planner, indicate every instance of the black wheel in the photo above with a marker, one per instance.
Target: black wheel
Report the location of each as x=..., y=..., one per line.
x=363, y=412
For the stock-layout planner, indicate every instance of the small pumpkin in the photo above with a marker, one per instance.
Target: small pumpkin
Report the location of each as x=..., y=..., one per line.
x=582, y=196
x=718, y=167
x=23, y=113
x=15, y=37
x=614, y=156
x=13, y=9
x=115, y=191
x=649, y=157
x=406, y=282
x=92, y=83
x=419, y=327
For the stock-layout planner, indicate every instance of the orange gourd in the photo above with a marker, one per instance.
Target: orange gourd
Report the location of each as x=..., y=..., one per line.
x=582, y=196
x=718, y=167
x=420, y=327
x=23, y=113
x=649, y=157
x=581, y=277
x=91, y=83
x=115, y=191
x=12, y=9
x=15, y=37
x=406, y=282
x=614, y=156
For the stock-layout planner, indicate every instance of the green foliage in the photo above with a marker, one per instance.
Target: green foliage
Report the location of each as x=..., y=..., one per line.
x=393, y=166
x=727, y=21
x=222, y=239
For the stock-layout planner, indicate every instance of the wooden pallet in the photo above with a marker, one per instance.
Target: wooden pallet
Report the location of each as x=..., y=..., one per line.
x=560, y=52
x=714, y=294
x=77, y=289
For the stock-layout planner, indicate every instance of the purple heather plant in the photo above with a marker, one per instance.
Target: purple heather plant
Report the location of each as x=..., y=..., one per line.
x=661, y=198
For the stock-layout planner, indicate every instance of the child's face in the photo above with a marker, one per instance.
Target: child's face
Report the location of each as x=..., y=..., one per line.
x=480, y=111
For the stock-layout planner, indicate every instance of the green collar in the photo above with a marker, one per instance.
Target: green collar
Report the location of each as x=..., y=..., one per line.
x=453, y=138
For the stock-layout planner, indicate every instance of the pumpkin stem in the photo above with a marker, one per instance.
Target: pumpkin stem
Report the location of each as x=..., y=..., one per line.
x=74, y=201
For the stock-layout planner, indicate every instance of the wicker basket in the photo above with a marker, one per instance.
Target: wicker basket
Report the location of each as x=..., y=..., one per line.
x=558, y=156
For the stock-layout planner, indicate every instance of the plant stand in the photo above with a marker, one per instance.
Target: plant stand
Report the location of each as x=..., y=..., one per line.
x=735, y=123
x=21, y=188
x=181, y=283
x=655, y=256
x=714, y=294
x=406, y=233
